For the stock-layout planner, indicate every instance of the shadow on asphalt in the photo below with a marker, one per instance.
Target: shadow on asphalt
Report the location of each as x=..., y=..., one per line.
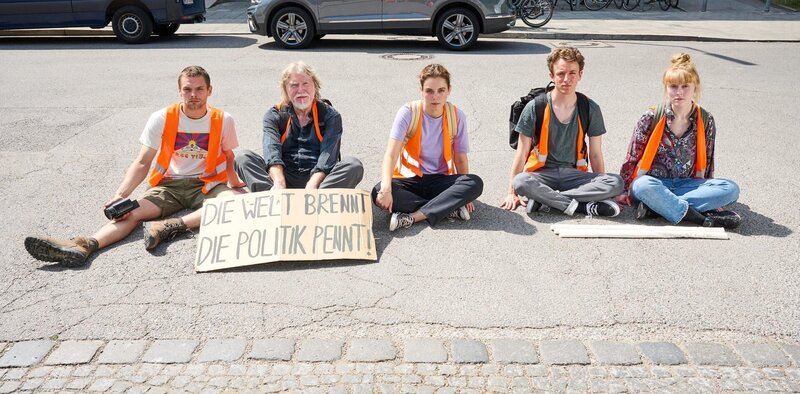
x=410, y=44
x=295, y=266
x=109, y=42
x=713, y=54
x=755, y=223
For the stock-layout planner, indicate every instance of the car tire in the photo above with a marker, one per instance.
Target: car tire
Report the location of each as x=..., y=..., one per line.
x=132, y=25
x=457, y=29
x=166, y=30
x=292, y=28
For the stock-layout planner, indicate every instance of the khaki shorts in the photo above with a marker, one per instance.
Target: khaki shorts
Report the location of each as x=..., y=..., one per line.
x=172, y=195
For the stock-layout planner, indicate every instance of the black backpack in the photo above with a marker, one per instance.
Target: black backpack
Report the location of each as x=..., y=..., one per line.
x=539, y=95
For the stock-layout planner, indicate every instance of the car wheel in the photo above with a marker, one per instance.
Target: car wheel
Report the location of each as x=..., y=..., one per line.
x=457, y=29
x=293, y=28
x=166, y=30
x=132, y=25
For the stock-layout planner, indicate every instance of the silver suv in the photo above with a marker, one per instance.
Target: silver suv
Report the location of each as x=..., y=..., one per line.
x=456, y=23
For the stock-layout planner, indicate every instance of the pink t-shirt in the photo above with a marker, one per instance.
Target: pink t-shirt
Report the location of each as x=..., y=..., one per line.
x=432, y=142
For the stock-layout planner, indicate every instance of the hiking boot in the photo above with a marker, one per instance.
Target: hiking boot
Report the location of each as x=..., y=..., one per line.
x=67, y=252
x=460, y=213
x=607, y=208
x=399, y=219
x=162, y=231
x=532, y=206
x=722, y=218
x=644, y=212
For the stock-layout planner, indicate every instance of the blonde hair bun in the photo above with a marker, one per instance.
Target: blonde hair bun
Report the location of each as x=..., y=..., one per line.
x=681, y=59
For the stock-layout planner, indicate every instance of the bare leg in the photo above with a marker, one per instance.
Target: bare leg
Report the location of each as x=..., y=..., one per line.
x=115, y=231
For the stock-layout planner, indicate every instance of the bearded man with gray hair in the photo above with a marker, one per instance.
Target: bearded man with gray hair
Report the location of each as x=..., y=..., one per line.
x=302, y=140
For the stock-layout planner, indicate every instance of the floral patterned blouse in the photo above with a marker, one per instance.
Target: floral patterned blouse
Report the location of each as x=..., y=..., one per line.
x=676, y=155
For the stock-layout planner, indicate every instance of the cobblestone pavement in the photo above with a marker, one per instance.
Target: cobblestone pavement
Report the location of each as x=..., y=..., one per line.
x=410, y=365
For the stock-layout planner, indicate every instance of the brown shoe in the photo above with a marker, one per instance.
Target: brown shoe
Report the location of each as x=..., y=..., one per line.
x=67, y=252
x=161, y=231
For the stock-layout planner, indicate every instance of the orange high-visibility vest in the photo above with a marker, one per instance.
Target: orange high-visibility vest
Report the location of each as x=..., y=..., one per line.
x=409, y=163
x=214, y=172
x=643, y=167
x=538, y=155
x=289, y=122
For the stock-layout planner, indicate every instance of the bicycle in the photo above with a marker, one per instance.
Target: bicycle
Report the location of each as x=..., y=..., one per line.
x=534, y=13
x=596, y=5
x=663, y=4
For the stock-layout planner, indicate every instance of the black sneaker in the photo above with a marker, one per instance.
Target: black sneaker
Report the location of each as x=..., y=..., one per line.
x=722, y=218
x=460, y=213
x=607, y=208
x=644, y=212
x=399, y=219
x=532, y=206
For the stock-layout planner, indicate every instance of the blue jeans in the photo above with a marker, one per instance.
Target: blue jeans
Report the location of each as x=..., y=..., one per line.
x=671, y=198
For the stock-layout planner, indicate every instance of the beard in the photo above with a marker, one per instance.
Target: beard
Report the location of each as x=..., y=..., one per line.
x=194, y=106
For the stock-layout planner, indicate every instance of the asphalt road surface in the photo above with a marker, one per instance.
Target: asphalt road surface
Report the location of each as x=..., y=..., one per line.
x=73, y=109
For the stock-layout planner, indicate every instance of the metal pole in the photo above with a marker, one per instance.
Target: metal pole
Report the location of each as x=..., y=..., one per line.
x=704, y=6
x=766, y=6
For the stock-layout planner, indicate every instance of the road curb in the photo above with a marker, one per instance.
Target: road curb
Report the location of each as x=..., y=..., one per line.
x=402, y=350
x=504, y=35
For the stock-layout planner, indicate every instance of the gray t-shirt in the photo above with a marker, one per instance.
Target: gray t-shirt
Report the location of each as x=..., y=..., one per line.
x=562, y=137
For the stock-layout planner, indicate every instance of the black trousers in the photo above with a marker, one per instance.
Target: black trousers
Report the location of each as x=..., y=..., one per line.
x=434, y=195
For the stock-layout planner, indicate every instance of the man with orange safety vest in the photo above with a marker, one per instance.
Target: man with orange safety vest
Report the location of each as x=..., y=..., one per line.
x=302, y=140
x=551, y=164
x=192, y=144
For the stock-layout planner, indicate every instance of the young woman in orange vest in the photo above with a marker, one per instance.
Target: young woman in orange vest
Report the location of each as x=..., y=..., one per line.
x=425, y=173
x=669, y=168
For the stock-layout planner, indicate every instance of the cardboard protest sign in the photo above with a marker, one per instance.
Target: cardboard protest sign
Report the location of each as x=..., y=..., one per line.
x=288, y=224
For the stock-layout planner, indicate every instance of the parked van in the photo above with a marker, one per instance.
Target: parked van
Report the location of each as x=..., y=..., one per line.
x=133, y=21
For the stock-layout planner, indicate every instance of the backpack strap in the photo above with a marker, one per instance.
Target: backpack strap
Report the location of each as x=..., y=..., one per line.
x=285, y=117
x=322, y=110
x=452, y=120
x=583, y=116
x=540, y=103
x=658, y=112
x=416, y=117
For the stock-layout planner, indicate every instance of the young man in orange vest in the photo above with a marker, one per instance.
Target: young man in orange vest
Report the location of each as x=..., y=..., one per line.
x=302, y=137
x=554, y=158
x=193, y=146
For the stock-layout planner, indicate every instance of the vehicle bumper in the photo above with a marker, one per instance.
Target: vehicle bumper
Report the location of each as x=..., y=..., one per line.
x=257, y=20
x=496, y=24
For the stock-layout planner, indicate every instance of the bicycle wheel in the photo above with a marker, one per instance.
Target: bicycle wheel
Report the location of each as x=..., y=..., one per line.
x=619, y=3
x=595, y=5
x=536, y=13
x=663, y=4
x=630, y=4
x=673, y=3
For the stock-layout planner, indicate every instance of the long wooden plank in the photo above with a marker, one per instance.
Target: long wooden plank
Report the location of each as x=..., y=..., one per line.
x=636, y=231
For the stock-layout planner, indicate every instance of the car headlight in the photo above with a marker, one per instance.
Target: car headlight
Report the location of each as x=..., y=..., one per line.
x=255, y=2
